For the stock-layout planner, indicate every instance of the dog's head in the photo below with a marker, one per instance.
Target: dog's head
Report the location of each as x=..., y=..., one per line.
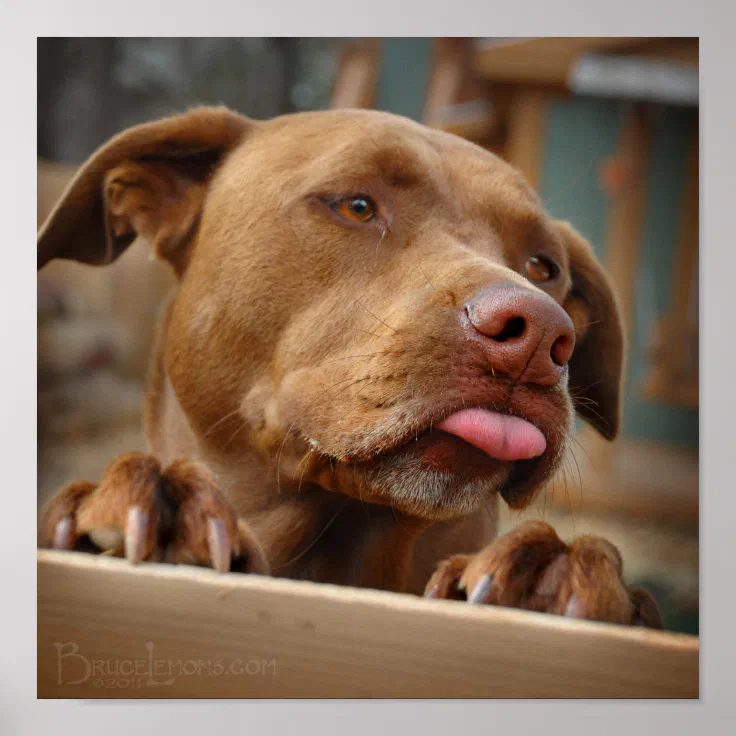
x=367, y=304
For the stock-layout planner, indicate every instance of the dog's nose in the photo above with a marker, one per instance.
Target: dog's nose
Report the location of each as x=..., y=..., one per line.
x=525, y=334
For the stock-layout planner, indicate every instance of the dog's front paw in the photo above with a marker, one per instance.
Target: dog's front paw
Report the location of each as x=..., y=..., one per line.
x=144, y=512
x=533, y=569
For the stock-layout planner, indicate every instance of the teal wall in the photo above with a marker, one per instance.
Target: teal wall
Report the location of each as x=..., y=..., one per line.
x=403, y=76
x=581, y=133
x=670, y=147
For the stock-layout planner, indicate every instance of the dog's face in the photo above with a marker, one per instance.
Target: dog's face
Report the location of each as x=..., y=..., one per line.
x=368, y=304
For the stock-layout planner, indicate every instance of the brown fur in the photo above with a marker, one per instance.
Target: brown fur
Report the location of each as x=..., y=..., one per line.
x=302, y=353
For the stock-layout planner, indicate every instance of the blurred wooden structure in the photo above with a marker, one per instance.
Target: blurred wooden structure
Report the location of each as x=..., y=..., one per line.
x=356, y=75
x=550, y=62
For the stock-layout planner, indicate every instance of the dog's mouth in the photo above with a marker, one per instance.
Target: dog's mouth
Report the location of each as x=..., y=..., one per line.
x=442, y=454
x=481, y=443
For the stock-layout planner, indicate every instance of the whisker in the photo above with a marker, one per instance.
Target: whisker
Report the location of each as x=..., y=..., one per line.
x=360, y=492
x=374, y=316
x=238, y=430
x=419, y=266
x=590, y=324
x=580, y=445
x=221, y=420
x=570, y=508
x=378, y=245
x=488, y=511
x=544, y=501
x=364, y=355
x=589, y=405
x=586, y=388
x=301, y=477
x=580, y=477
x=585, y=400
x=367, y=332
x=398, y=521
x=316, y=539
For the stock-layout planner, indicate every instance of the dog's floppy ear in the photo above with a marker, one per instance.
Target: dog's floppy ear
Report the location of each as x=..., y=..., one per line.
x=597, y=363
x=148, y=181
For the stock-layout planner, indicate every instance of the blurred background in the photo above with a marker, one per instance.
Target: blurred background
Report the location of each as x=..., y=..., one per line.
x=605, y=128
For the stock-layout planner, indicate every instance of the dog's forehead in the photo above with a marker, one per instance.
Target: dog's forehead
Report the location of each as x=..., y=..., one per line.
x=333, y=125
x=399, y=150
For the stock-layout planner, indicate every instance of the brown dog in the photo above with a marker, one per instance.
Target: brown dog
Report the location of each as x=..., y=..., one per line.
x=377, y=331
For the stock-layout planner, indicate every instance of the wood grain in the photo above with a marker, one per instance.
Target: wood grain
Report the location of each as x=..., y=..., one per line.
x=306, y=640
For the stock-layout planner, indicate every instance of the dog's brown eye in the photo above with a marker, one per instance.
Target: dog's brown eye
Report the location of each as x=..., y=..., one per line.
x=539, y=268
x=357, y=209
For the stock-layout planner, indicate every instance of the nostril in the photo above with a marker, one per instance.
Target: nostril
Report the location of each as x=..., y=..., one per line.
x=562, y=350
x=513, y=328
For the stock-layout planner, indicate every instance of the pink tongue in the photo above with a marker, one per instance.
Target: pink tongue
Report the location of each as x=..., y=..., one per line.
x=498, y=435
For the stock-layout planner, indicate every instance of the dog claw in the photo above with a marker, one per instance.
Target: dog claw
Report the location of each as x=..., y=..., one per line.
x=574, y=608
x=482, y=591
x=219, y=544
x=63, y=534
x=135, y=534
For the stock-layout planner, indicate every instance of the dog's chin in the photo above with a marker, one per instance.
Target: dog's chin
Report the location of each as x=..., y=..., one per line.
x=439, y=476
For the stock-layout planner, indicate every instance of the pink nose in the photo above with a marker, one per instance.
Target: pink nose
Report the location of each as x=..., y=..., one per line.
x=525, y=334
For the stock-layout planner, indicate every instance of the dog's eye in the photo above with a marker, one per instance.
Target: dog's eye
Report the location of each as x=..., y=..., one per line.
x=357, y=209
x=539, y=268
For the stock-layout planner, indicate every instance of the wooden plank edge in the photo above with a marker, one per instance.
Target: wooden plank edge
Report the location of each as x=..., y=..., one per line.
x=330, y=641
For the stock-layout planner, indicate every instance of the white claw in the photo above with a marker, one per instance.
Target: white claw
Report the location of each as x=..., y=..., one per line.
x=482, y=590
x=136, y=529
x=573, y=607
x=63, y=534
x=219, y=544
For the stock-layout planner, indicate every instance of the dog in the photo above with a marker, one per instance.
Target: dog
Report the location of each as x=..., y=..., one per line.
x=377, y=332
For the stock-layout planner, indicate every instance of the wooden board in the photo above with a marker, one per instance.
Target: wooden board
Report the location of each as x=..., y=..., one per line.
x=526, y=131
x=357, y=72
x=679, y=50
x=544, y=61
x=110, y=630
x=457, y=101
x=663, y=69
